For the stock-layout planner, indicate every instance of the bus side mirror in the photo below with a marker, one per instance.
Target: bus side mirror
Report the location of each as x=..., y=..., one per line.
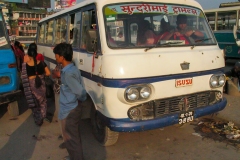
x=91, y=44
x=235, y=35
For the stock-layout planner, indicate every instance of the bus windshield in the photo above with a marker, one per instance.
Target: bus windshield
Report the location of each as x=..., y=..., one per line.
x=139, y=25
x=3, y=39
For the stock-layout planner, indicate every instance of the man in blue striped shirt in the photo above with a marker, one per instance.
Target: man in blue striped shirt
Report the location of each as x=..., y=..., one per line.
x=72, y=94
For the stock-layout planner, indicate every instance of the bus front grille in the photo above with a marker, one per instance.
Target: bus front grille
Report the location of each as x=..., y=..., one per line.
x=184, y=103
x=160, y=107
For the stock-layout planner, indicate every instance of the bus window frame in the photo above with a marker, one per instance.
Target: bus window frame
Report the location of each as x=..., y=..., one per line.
x=87, y=8
x=68, y=14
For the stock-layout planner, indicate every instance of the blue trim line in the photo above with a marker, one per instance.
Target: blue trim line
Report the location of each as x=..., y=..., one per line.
x=126, y=125
x=123, y=83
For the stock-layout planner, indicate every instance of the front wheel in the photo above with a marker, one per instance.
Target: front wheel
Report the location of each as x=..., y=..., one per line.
x=102, y=133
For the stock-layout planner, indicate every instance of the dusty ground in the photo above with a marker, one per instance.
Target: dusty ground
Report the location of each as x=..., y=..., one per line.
x=21, y=139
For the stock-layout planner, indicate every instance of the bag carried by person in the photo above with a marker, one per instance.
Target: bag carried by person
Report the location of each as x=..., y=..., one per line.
x=49, y=87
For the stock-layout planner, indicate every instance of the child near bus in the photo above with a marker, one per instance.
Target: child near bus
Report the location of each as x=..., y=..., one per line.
x=72, y=94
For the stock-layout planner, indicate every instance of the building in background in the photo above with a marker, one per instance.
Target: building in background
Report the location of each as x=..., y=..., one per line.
x=22, y=17
x=26, y=22
x=6, y=16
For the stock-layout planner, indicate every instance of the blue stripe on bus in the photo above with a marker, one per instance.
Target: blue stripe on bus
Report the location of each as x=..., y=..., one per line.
x=127, y=125
x=123, y=83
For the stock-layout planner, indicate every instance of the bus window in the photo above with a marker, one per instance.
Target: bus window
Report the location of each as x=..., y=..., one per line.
x=222, y=21
x=116, y=31
x=76, y=30
x=70, y=29
x=60, y=30
x=88, y=18
x=133, y=33
x=41, y=34
x=226, y=20
x=49, y=33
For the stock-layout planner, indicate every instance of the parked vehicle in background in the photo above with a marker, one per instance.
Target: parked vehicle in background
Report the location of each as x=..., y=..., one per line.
x=25, y=40
x=222, y=22
x=136, y=87
x=9, y=80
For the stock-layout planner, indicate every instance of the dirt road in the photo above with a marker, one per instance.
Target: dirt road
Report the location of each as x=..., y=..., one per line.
x=21, y=139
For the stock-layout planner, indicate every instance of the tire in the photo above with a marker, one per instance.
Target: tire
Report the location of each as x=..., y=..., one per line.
x=102, y=133
x=13, y=109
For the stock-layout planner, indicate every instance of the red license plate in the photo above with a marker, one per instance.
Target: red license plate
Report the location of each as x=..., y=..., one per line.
x=183, y=82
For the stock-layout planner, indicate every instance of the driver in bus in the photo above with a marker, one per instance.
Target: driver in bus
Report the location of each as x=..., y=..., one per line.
x=184, y=32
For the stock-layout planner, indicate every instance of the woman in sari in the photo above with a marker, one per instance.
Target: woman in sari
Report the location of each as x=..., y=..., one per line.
x=35, y=70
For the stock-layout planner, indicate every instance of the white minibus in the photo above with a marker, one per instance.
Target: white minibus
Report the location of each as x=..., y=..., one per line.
x=139, y=81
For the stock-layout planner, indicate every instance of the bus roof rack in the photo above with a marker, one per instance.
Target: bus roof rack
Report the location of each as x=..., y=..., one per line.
x=229, y=4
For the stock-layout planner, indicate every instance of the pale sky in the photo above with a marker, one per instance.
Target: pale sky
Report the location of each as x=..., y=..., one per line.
x=209, y=4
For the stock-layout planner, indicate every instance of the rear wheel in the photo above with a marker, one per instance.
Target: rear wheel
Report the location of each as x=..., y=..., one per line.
x=102, y=133
x=13, y=109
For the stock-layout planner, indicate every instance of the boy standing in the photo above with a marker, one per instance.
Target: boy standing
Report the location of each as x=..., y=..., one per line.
x=72, y=94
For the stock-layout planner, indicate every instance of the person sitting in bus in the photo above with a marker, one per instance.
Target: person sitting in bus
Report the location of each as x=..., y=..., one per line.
x=145, y=35
x=184, y=32
x=165, y=30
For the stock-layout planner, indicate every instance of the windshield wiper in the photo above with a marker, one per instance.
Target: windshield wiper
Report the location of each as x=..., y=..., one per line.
x=202, y=40
x=163, y=44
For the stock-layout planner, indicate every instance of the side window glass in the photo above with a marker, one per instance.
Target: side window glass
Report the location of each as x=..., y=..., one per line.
x=85, y=27
x=133, y=33
x=75, y=31
x=156, y=24
x=49, y=34
x=88, y=22
x=116, y=31
x=41, y=34
x=61, y=30
x=226, y=21
x=211, y=20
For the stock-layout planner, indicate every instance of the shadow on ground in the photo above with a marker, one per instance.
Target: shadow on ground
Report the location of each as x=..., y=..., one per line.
x=21, y=144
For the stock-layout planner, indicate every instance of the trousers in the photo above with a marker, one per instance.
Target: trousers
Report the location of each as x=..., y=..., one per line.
x=71, y=133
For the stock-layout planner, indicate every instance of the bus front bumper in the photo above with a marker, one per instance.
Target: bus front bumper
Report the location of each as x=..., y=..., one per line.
x=127, y=125
x=9, y=97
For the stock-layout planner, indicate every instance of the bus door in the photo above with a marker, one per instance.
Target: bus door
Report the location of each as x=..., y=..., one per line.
x=90, y=57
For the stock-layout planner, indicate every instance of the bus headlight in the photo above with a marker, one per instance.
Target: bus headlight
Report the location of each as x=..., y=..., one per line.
x=132, y=94
x=222, y=80
x=145, y=92
x=138, y=92
x=217, y=80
